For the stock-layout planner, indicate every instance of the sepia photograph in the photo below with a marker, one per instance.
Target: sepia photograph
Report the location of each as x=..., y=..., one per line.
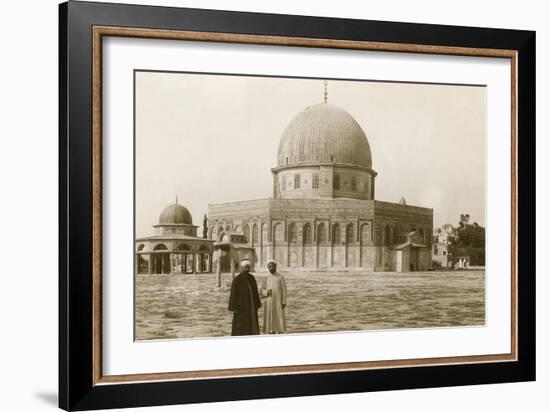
x=279, y=205
x=260, y=205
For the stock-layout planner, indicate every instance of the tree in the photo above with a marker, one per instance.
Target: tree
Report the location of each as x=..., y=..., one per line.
x=468, y=240
x=205, y=227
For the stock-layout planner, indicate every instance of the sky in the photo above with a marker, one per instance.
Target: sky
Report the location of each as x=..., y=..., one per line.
x=213, y=139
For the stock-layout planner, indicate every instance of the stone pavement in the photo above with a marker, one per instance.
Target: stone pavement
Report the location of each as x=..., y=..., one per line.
x=187, y=306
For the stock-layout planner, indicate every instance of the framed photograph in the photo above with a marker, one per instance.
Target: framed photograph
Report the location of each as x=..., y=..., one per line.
x=256, y=205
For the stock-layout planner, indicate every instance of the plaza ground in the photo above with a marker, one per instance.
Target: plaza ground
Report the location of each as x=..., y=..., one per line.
x=188, y=306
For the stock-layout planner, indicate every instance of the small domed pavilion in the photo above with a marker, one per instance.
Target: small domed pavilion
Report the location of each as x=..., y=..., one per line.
x=175, y=247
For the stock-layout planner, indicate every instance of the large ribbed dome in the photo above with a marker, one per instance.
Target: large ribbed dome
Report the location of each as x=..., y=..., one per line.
x=324, y=133
x=175, y=214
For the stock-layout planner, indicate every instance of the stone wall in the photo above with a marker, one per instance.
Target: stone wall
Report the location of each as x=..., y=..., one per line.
x=323, y=233
x=332, y=181
x=395, y=221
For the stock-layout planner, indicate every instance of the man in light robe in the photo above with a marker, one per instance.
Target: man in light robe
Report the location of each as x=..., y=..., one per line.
x=244, y=302
x=274, y=290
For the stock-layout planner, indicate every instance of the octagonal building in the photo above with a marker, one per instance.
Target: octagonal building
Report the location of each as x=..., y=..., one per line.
x=323, y=214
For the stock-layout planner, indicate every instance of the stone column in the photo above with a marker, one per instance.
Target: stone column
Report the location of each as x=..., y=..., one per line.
x=219, y=268
x=287, y=256
x=198, y=262
x=316, y=254
x=346, y=251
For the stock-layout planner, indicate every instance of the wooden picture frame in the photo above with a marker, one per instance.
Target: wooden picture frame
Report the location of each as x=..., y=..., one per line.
x=82, y=385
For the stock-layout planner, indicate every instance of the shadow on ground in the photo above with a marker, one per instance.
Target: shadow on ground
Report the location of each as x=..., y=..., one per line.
x=49, y=398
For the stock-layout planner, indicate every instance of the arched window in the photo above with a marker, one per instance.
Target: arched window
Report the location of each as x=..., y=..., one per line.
x=247, y=233
x=297, y=181
x=353, y=183
x=365, y=233
x=255, y=235
x=228, y=228
x=366, y=185
x=141, y=247
x=336, y=182
x=292, y=233
x=387, y=239
x=322, y=233
x=220, y=230
x=336, y=235
x=160, y=246
x=308, y=234
x=278, y=235
x=349, y=233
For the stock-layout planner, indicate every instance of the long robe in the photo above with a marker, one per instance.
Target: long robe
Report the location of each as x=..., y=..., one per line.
x=244, y=302
x=274, y=313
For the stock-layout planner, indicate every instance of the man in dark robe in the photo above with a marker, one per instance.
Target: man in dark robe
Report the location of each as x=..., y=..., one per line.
x=244, y=302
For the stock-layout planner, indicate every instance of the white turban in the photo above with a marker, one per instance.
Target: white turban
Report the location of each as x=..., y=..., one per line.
x=272, y=261
x=245, y=262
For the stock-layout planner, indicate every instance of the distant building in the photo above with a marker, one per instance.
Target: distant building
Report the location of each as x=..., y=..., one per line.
x=441, y=244
x=175, y=248
x=323, y=214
